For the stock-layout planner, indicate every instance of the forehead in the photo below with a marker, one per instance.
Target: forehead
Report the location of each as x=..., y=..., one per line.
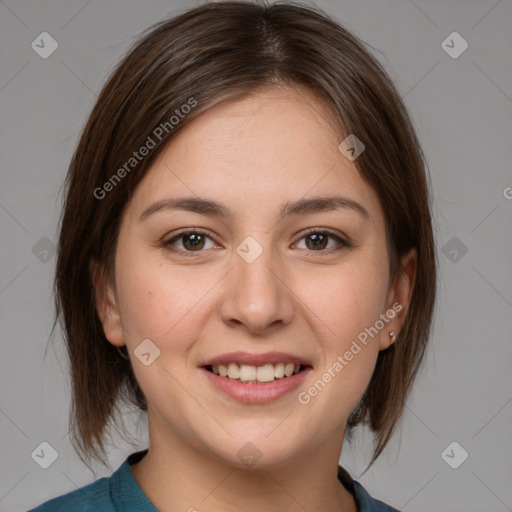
x=270, y=147
x=278, y=122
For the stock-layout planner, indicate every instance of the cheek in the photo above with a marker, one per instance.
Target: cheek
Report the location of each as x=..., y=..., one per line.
x=161, y=303
x=345, y=303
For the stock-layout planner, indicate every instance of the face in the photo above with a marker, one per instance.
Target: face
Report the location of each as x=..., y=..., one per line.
x=261, y=274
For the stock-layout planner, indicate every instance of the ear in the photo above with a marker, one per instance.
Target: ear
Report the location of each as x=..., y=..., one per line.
x=106, y=304
x=399, y=297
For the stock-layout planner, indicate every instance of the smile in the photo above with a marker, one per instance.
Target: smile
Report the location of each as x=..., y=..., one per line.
x=251, y=374
x=252, y=390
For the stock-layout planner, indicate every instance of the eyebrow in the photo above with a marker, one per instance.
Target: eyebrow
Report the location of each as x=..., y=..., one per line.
x=213, y=208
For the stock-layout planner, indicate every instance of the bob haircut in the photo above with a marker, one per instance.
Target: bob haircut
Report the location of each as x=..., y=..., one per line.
x=206, y=55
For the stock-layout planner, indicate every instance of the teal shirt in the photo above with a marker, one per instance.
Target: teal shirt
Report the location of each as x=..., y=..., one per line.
x=121, y=493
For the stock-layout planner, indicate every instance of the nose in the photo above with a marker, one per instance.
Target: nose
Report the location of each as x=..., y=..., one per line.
x=258, y=297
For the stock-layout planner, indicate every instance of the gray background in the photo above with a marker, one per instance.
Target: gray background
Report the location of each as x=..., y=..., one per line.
x=462, y=108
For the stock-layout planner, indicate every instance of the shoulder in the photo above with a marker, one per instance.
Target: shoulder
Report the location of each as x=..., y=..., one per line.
x=369, y=504
x=108, y=494
x=365, y=503
x=92, y=497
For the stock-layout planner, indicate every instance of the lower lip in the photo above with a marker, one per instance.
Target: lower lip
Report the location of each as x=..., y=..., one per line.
x=259, y=393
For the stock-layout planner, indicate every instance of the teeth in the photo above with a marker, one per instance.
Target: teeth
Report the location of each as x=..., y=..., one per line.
x=288, y=369
x=246, y=372
x=253, y=374
x=265, y=373
x=279, y=371
x=234, y=371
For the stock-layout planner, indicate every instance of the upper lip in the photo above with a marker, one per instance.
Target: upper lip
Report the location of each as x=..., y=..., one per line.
x=256, y=359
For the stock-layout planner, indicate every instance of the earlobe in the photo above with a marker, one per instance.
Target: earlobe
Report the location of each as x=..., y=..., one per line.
x=106, y=305
x=399, y=298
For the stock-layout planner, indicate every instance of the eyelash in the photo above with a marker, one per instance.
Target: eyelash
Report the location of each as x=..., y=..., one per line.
x=313, y=231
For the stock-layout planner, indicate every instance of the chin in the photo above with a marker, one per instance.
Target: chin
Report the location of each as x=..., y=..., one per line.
x=257, y=452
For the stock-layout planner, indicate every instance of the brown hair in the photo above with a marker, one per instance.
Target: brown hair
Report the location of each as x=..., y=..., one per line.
x=211, y=53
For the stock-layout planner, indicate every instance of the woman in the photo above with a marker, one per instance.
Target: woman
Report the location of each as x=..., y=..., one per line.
x=246, y=253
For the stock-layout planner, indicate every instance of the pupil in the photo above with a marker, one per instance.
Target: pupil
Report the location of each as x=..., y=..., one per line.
x=319, y=238
x=194, y=240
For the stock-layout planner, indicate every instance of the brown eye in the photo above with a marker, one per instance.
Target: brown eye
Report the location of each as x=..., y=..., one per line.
x=317, y=241
x=193, y=242
x=190, y=241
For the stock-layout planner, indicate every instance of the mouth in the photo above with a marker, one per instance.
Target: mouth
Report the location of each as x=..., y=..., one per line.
x=251, y=378
x=252, y=374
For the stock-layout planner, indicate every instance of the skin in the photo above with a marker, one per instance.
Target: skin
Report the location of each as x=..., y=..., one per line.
x=252, y=155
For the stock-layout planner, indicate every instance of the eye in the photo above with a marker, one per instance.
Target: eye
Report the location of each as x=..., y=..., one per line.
x=317, y=240
x=191, y=241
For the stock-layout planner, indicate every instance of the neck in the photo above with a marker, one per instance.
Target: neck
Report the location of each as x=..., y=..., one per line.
x=176, y=476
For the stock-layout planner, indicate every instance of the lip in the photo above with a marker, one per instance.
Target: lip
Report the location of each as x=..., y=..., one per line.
x=256, y=359
x=259, y=393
